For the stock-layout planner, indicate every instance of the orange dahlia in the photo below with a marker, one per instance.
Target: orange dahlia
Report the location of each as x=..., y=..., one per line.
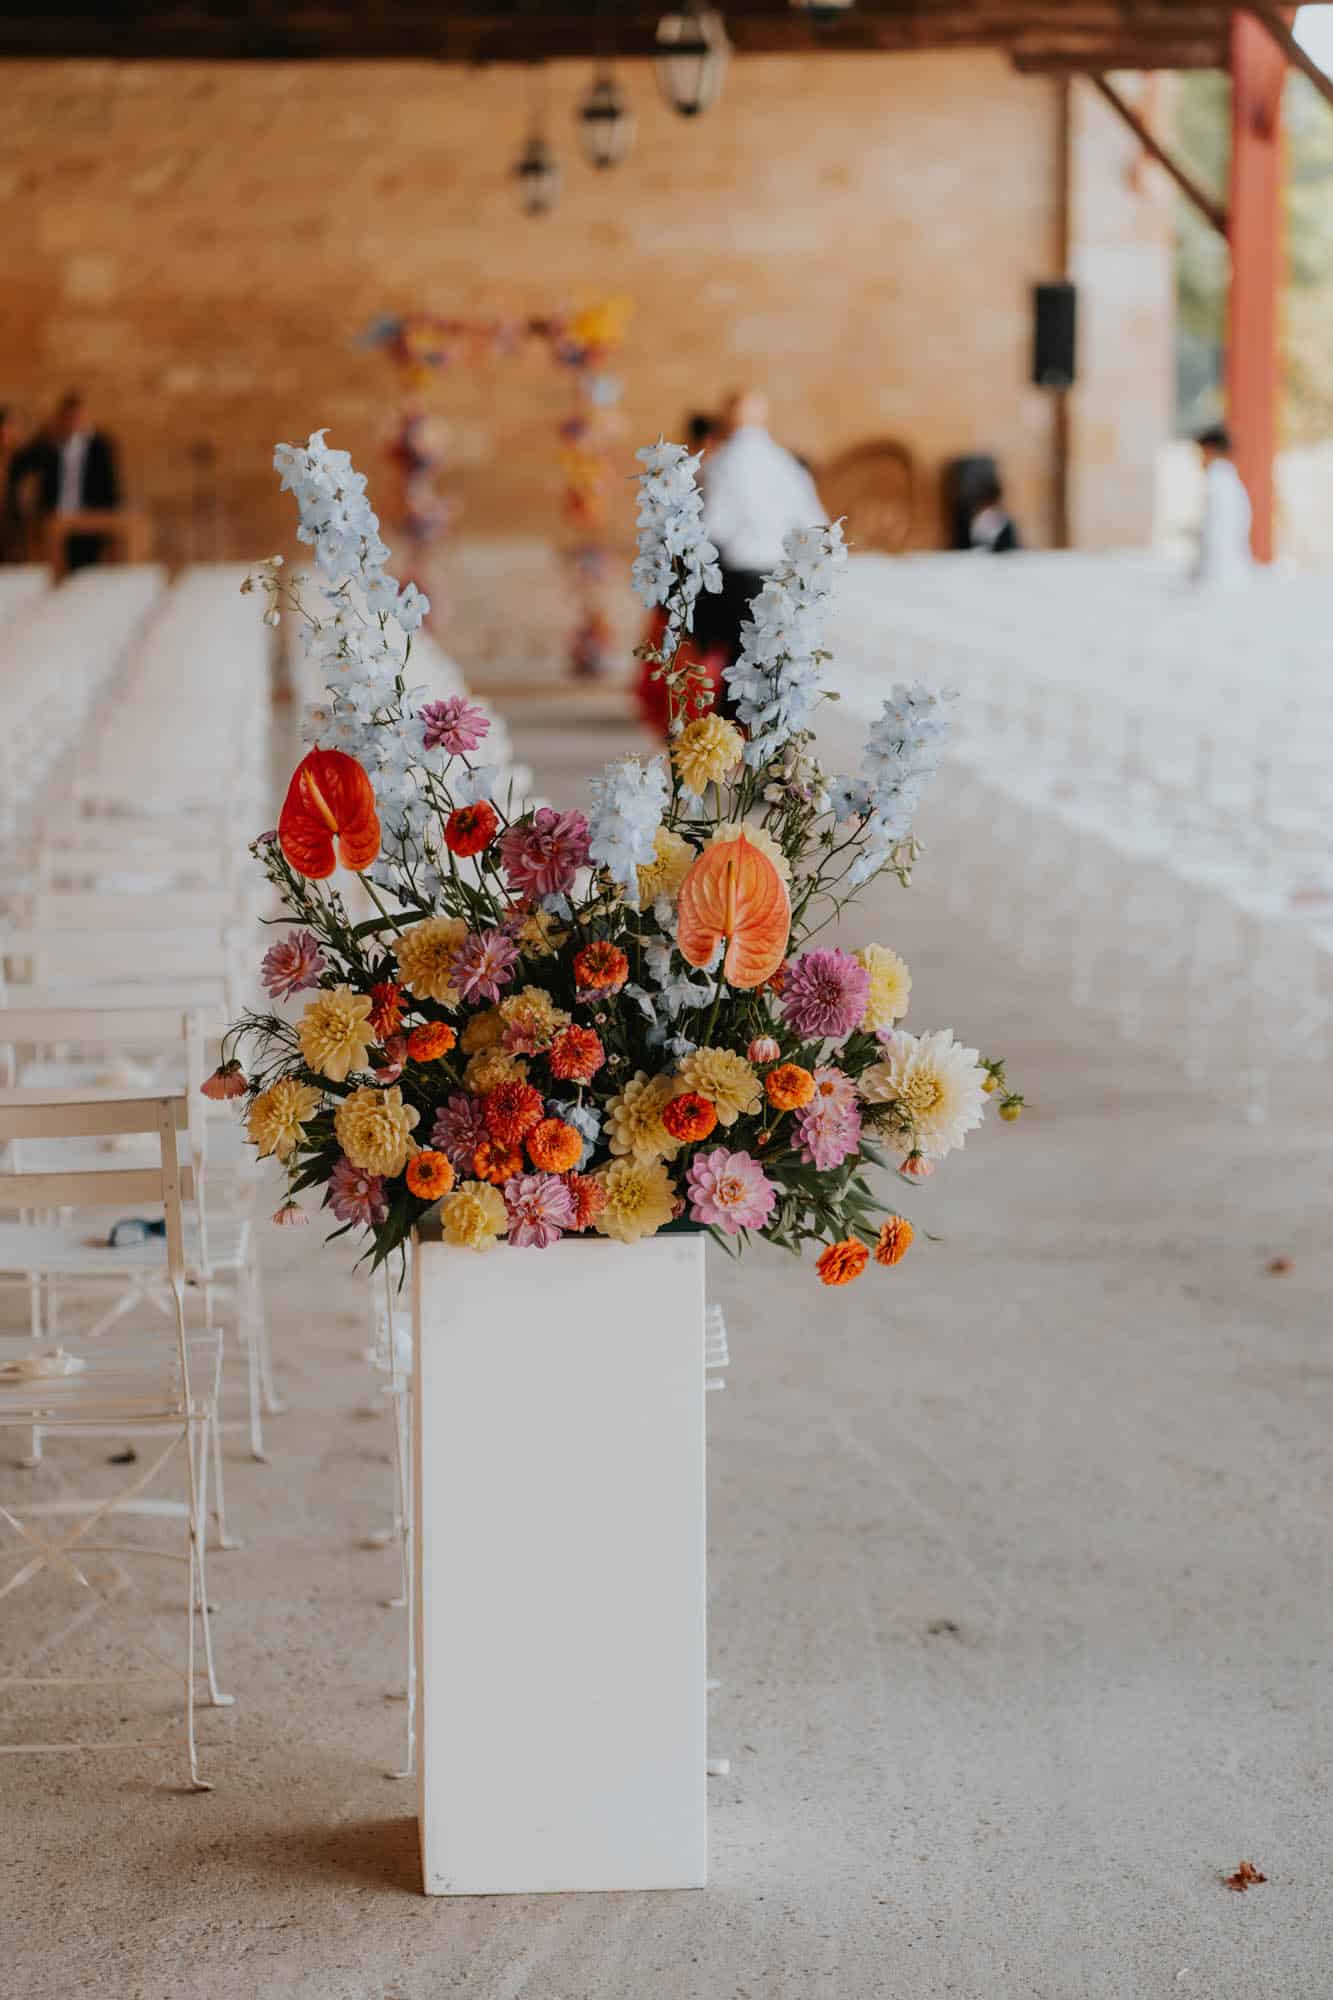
x=589, y=1199
x=576, y=1055
x=601, y=967
x=553, y=1146
x=386, y=1009
x=689, y=1117
x=789, y=1086
x=497, y=1163
x=842, y=1262
x=511, y=1110
x=429, y=1175
x=470, y=828
x=430, y=1042
x=895, y=1240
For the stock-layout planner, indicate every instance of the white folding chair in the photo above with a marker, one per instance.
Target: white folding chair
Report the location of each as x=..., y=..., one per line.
x=143, y=1380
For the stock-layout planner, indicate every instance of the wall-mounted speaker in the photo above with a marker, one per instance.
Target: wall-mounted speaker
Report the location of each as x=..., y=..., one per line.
x=1054, y=335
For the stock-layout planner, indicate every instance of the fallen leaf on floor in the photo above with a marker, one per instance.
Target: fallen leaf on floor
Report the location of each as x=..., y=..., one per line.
x=1277, y=1265
x=943, y=1628
x=1244, y=1877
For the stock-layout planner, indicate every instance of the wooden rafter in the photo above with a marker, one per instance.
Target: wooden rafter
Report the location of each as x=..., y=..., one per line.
x=1279, y=28
x=1211, y=209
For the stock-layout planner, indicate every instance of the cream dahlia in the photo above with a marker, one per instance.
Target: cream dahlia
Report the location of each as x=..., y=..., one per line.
x=473, y=1216
x=426, y=955
x=663, y=875
x=335, y=1033
x=634, y=1118
x=706, y=751
x=890, y=987
x=758, y=836
x=725, y=1079
x=374, y=1129
x=640, y=1199
x=937, y=1085
x=278, y=1115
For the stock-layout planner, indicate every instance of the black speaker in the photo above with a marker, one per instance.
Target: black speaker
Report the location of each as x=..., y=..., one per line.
x=1054, y=335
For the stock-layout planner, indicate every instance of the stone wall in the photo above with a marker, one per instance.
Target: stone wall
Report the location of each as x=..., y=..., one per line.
x=198, y=246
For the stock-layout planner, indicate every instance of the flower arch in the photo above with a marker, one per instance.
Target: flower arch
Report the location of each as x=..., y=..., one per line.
x=422, y=346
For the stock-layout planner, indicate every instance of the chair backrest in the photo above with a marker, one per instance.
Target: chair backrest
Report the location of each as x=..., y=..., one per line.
x=87, y=957
x=156, y=910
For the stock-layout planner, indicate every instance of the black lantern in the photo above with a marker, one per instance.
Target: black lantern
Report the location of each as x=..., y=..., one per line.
x=824, y=12
x=692, y=52
x=606, y=122
x=537, y=175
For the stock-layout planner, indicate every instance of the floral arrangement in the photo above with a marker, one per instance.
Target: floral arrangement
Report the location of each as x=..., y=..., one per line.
x=616, y=1020
x=422, y=345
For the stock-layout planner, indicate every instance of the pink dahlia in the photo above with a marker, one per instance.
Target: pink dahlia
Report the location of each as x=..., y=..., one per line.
x=395, y=1055
x=729, y=1191
x=484, y=964
x=540, y=857
x=824, y=995
x=828, y=1132
x=454, y=726
x=540, y=1207
x=459, y=1128
x=356, y=1196
x=291, y=965
x=833, y=1089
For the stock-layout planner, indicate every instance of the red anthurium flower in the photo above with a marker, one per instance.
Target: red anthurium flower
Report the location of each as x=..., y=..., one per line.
x=329, y=816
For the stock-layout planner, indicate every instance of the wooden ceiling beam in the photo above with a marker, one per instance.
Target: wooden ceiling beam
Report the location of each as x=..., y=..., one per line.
x=1208, y=206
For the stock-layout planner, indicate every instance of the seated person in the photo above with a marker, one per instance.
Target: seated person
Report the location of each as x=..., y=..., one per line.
x=992, y=529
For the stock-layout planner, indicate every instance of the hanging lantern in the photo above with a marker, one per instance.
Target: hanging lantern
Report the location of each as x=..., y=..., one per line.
x=606, y=123
x=537, y=176
x=692, y=52
x=823, y=12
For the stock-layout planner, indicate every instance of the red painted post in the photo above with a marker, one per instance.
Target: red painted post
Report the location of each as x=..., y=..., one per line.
x=1258, y=68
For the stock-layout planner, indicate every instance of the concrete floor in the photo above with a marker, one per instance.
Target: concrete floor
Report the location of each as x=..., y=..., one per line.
x=1019, y=1596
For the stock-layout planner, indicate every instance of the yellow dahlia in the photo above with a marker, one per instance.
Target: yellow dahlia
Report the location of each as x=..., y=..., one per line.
x=531, y=1020
x=278, y=1114
x=473, y=1216
x=758, y=836
x=706, y=750
x=483, y=1031
x=539, y=934
x=335, y=1034
x=634, y=1118
x=663, y=875
x=490, y=1067
x=425, y=956
x=725, y=1079
x=374, y=1129
x=890, y=987
x=639, y=1199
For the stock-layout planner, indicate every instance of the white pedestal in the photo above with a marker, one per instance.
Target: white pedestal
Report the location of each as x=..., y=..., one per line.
x=560, y=1566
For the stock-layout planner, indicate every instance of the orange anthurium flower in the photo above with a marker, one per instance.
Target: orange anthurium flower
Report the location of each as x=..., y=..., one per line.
x=329, y=816
x=733, y=891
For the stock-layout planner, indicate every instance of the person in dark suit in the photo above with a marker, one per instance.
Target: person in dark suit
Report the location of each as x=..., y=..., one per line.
x=992, y=528
x=68, y=468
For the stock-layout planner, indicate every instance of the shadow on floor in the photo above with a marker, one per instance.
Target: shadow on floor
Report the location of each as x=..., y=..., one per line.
x=379, y=1853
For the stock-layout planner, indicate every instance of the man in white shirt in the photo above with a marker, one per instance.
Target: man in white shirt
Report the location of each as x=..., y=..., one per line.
x=1224, y=531
x=755, y=493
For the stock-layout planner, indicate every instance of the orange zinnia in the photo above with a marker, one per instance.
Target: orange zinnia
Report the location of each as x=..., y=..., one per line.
x=895, y=1240
x=431, y=1041
x=789, y=1086
x=600, y=967
x=386, y=1008
x=689, y=1117
x=842, y=1262
x=589, y=1199
x=329, y=816
x=470, y=828
x=576, y=1055
x=553, y=1146
x=511, y=1110
x=429, y=1175
x=496, y=1163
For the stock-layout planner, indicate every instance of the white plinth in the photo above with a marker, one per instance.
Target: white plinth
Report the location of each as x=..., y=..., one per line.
x=560, y=1566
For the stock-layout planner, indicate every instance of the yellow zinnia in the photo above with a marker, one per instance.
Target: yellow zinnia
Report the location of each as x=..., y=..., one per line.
x=334, y=1034
x=278, y=1115
x=706, y=750
x=491, y=1066
x=890, y=987
x=663, y=875
x=634, y=1118
x=425, y=956
x=725, y=1079
x=473, y=1216
x=374, y=1129
x=640, y=1199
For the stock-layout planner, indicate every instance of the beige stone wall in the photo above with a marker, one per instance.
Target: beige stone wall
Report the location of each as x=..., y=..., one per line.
x=199, y=245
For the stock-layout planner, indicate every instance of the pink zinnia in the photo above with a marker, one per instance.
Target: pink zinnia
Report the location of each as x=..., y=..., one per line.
x=541, y=856
x=459, y=1128
x=356, y=1196
x=729, y=1191
x=824, y=995
x=539, y=1207
x=291, y=965
x=484, y=964
x=455, y=726
x=828, y=1132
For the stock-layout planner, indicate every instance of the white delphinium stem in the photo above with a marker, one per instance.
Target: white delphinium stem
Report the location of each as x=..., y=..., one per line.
x=676, y=560
x=777, y=678
x=901, y=757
